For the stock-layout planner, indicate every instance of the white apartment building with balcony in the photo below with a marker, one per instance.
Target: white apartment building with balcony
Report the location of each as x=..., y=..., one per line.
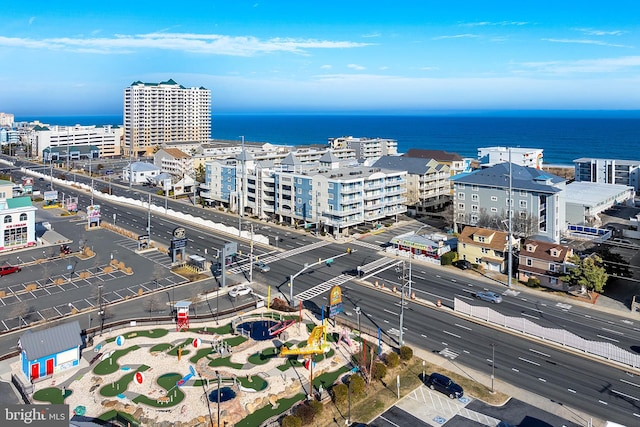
x=529, y=157
x=326, y=194
x=174, y=161
x=365, y=148
x=106, y=138
x=155, y=113
x=608, y=171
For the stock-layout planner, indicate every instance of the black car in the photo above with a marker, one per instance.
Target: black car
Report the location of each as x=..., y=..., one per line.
x=444, y=385
x=462, y=264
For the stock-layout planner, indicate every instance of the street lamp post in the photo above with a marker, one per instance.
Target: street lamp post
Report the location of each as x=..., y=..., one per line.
x=218, y=393
x=149, y=217
x=241, y=191
x=348, y=420
x=358, y=311
x=407, y=281
x=493, y=365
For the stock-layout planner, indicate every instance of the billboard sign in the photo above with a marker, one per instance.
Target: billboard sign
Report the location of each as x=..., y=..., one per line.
x=50, y=195
x=93, y=211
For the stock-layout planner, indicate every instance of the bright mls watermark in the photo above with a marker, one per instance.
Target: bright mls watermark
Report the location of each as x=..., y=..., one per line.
x=34, y=415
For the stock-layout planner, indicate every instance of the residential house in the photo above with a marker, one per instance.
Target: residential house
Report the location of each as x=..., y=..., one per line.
x=141, y=172
x=486, y=248
x=544, y=261
x=174, y=161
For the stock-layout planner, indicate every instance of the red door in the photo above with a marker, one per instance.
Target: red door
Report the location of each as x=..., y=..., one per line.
x=35, y=371
x=49, y=366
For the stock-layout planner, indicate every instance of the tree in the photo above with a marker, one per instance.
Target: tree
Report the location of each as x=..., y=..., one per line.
x=588, y=273
x=291, y=421
x=379, y=371
x=392, y=359
x=200, y=173
x=614, y=263
x=340, y=393
x=406, y=353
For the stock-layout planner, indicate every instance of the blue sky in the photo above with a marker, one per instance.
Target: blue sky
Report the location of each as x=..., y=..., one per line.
x=76, y=57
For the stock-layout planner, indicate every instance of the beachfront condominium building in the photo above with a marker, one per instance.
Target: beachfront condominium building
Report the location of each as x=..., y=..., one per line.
x=6, y=119
x=608, y=171
x=529, y=157
x=326, y=195
x=157, y=113
x=45, y=138
x=365, y=148
x=537, y=202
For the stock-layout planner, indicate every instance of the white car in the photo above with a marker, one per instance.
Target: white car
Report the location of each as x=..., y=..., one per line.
x=240, y=290
x=261, y=266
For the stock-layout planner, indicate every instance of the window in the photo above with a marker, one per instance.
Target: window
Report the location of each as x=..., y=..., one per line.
x=460, y=196
x=23, y=217
x=481, y=239
x=7, y=219
x=474, y=208
x=552, y=267
x=474, y=197
x=474, y=188
x=460, y=186
x=478, y=260
x=461, y=206
x=330, y=185
x=494, y=198
x=299, y=190
x=484, y=250
x=523, y=193
x=529, y=262
x=523, y=204
x=299, y=180
x=474, y=218
x=299, y=200
x=553, y=281
x=494, y=210
x=507, y=202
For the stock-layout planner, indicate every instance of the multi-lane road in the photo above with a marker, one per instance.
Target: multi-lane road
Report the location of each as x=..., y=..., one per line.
x=606, y=391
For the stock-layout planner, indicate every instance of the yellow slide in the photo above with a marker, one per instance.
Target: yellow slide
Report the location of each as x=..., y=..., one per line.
x=315, y=344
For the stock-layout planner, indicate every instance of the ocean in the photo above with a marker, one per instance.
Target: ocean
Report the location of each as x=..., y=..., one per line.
x=563, y=137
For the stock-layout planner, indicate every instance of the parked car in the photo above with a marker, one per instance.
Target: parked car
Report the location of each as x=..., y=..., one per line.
x=444, y=385
x=462, y=264
x=489, y=296
x=240, y=290
x=261, y=266
x=8, y=269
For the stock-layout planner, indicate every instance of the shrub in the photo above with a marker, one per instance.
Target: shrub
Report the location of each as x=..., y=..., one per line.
x=340, y=393
x=316, y=406
x=379, y=371
x=406, y=353
x=304, y=412
x=533, y=282
x=392, y=359
x=447, y=259
x=291, y=421
x=357, y=384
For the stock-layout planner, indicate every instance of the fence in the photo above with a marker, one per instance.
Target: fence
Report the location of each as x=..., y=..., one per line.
x=558, y=336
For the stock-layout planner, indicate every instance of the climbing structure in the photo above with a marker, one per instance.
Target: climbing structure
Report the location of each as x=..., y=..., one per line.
x=316, y=344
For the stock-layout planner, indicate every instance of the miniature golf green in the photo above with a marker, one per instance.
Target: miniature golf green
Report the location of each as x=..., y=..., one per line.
x=120, y=386
x=110, y=364
x=167, y=382
x=53, y=395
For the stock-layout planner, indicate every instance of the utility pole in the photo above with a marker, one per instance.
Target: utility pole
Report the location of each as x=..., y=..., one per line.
x=149, y=217
x=251, y=256
x=241, y=190
x=510, y=213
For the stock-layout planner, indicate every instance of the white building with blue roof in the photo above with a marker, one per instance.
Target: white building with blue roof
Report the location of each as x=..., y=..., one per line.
x=140, y=172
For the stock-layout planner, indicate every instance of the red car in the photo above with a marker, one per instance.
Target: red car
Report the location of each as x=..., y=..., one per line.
x=8, y=269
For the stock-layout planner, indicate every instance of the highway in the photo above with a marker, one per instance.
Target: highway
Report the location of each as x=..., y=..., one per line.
x=605, y=391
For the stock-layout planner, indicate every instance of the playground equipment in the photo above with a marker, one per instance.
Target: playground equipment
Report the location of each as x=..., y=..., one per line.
x=344, y=336
x=182, y=381
x=316, y=344
x=280, y=327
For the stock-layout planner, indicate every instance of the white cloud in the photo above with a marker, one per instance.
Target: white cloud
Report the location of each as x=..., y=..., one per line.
x=592, y=32
x=585, y=41
x=326, y=67
x=493, y=23
x=207, y=44
x=456, y=36
x=355, y=67
x=602, y=65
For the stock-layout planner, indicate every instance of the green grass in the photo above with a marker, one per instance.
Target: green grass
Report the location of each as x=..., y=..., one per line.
x=152, y=333
x=120, y=386
x=292, y=361
x=52, y=395
x=264, y=356
x=174, y=350
x=220, y=330
x=329, y=378
x=235, y=341
x=110, y=415
x=266, y=412
x=257, y=382
x=160, y=347
x=320, y=357
x=107, y=367
x=225, y=361
x=167, y=382
x=203, y=352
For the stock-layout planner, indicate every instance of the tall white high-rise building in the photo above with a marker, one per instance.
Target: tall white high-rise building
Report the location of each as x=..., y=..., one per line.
x=156, y=113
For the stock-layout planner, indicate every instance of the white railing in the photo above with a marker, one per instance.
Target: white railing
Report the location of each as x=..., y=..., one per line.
x=557, y=336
